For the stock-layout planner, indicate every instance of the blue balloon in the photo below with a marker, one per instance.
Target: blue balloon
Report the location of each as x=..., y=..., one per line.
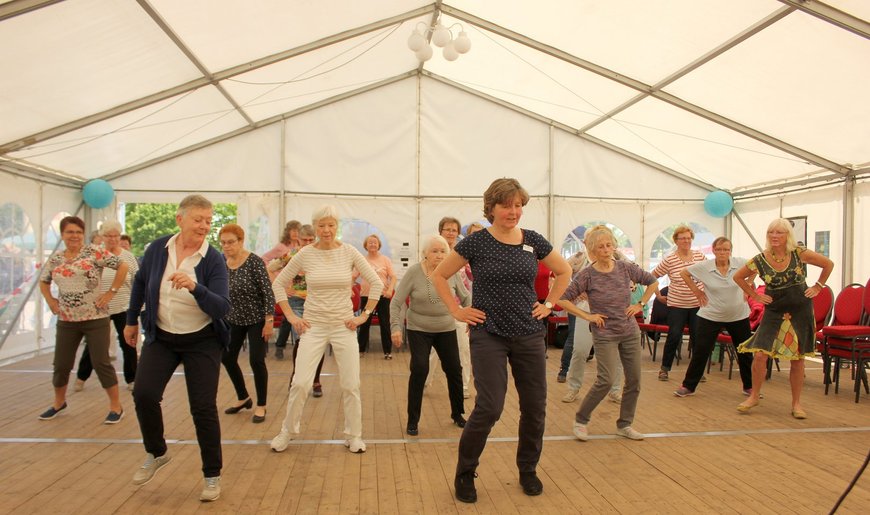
x=718, y=203
x=98, y=193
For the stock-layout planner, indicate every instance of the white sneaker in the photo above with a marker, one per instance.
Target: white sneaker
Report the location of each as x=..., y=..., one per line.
x=212, y=489
x=149, y=468
x=465, y=393
x=629, y=433
x=355, y=445
x=615, y=397
x=571, y=396
x=280, y=442
x=130, y=386
x=79, y=385
x=581, y=431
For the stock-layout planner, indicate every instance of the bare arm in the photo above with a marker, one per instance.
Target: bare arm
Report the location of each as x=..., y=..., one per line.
x=440, y=277
x=562, y=276
x=814, y=258
x=699, y=293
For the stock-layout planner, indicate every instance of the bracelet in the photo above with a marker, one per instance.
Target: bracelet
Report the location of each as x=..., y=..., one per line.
x=820, y=284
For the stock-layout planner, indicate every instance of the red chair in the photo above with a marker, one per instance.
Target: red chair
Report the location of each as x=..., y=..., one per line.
x=848, y=337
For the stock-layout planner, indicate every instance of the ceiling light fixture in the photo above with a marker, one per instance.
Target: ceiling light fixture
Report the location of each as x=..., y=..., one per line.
x=441, y=37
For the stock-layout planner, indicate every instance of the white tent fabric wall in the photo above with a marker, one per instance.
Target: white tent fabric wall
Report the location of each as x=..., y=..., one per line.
x=860, y=239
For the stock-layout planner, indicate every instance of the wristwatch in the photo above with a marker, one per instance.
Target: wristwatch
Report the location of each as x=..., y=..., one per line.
x=113, y=290
x=368, y=312
x=548, y=305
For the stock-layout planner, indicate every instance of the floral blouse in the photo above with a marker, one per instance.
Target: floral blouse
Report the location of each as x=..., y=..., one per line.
x=251, y=297
x=795, y=274
x=78, y=282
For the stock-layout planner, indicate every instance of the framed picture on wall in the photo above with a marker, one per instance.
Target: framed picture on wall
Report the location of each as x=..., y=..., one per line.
x=799, y=224
x=823, y=243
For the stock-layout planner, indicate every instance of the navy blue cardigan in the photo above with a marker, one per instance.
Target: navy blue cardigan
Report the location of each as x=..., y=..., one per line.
x=212, y=292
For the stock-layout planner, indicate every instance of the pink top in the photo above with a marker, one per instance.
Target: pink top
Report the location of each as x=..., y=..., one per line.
x=679, y=294
x=383, y=266
x=278, y=251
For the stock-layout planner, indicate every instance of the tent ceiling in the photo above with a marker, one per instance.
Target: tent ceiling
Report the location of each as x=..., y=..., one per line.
x=732, y=94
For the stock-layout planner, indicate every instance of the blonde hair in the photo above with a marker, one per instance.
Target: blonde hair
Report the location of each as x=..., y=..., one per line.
x=473, y=227
x=785, y=225
x=680, y=230
x=594, y=235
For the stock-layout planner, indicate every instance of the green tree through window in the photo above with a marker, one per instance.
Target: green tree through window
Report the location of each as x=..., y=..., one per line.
x=147, y=222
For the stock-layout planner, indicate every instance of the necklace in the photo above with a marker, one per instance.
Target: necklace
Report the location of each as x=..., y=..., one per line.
x=777, y=259
x=437, y=299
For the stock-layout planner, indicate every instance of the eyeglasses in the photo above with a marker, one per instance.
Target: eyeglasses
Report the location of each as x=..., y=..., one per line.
x=306, y=240
x=722, y=249
x=684, y=238
x=227, y=243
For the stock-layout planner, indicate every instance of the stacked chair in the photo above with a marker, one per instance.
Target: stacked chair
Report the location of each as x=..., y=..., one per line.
x=847, y=340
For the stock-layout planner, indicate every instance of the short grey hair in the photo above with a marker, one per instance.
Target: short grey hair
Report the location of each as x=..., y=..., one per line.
x=111, y=225
x=195, y=200
x=431, y=241
x=306, y=230
x=325, y=211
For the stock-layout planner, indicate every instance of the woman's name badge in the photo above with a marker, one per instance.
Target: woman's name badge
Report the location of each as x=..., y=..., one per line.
x=528, y=248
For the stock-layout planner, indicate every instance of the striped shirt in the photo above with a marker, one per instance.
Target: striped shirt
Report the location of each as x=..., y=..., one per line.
x=121, y=301
x=679, y=294
x=329, y=276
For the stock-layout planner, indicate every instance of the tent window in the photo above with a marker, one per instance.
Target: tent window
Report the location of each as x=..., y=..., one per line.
x=573, y=242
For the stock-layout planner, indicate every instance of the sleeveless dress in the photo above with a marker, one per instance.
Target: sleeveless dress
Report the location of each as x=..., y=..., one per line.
x=787, y=329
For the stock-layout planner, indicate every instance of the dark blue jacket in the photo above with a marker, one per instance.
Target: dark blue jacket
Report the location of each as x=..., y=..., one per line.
x=212, y=291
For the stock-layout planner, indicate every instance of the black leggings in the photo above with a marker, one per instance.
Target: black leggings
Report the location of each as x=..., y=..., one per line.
x=256, y=357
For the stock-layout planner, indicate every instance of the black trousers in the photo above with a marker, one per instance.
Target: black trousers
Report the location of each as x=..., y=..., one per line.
x=256, y=357
x=200, y=352
x=447, y=348
x=129, y=353
x=678, y=318
x=382, y=310
x=706, y=333
x=490, y=355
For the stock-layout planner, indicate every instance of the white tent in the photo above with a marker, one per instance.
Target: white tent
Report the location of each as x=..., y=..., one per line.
x=619, y=111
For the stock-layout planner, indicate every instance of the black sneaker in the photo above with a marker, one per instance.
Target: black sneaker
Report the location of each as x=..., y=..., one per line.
x=412, y=430
x=464, y=486
x=50, y=413
x=530, y=483
x=459, y=420
x=279, y=353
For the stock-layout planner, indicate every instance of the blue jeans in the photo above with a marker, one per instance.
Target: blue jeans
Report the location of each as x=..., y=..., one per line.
x=569, y=346
x=298, y=306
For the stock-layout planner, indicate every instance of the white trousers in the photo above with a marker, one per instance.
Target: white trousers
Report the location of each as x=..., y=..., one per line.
x=312, y=345
x=464, y=357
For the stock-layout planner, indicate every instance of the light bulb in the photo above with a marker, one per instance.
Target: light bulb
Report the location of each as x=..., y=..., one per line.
x=416, y=41
x=450, y=53
x=424, y=54
x=462, y=44
x=441, y=36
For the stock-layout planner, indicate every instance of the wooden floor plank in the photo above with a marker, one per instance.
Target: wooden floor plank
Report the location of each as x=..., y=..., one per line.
x=700, y=454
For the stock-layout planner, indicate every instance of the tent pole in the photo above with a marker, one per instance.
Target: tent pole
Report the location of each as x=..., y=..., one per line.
x=551, y=208
x=746, y=228
x=848, y=230
x=282, y=193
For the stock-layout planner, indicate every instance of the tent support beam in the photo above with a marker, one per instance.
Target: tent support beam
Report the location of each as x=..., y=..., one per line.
x=17, y=7
x=833, y=16
x=648, y=90
x=160, y=22
x=571, y=130
x=697, y=63
x=258, y=125
x=204, y=81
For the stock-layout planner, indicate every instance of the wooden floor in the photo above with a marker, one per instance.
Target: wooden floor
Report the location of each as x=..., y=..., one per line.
x=700, y=455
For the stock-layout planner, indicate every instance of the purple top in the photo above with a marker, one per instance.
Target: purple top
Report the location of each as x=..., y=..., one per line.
x=609, y=295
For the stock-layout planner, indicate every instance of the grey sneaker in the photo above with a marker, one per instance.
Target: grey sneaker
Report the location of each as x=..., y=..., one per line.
x=280, y=442
x=355, y=445
x=682, y=391
x=571, y=396
x=149, y=468
x=212, y=489
x=615, y=397
x=581, y=431
x=629, y=433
